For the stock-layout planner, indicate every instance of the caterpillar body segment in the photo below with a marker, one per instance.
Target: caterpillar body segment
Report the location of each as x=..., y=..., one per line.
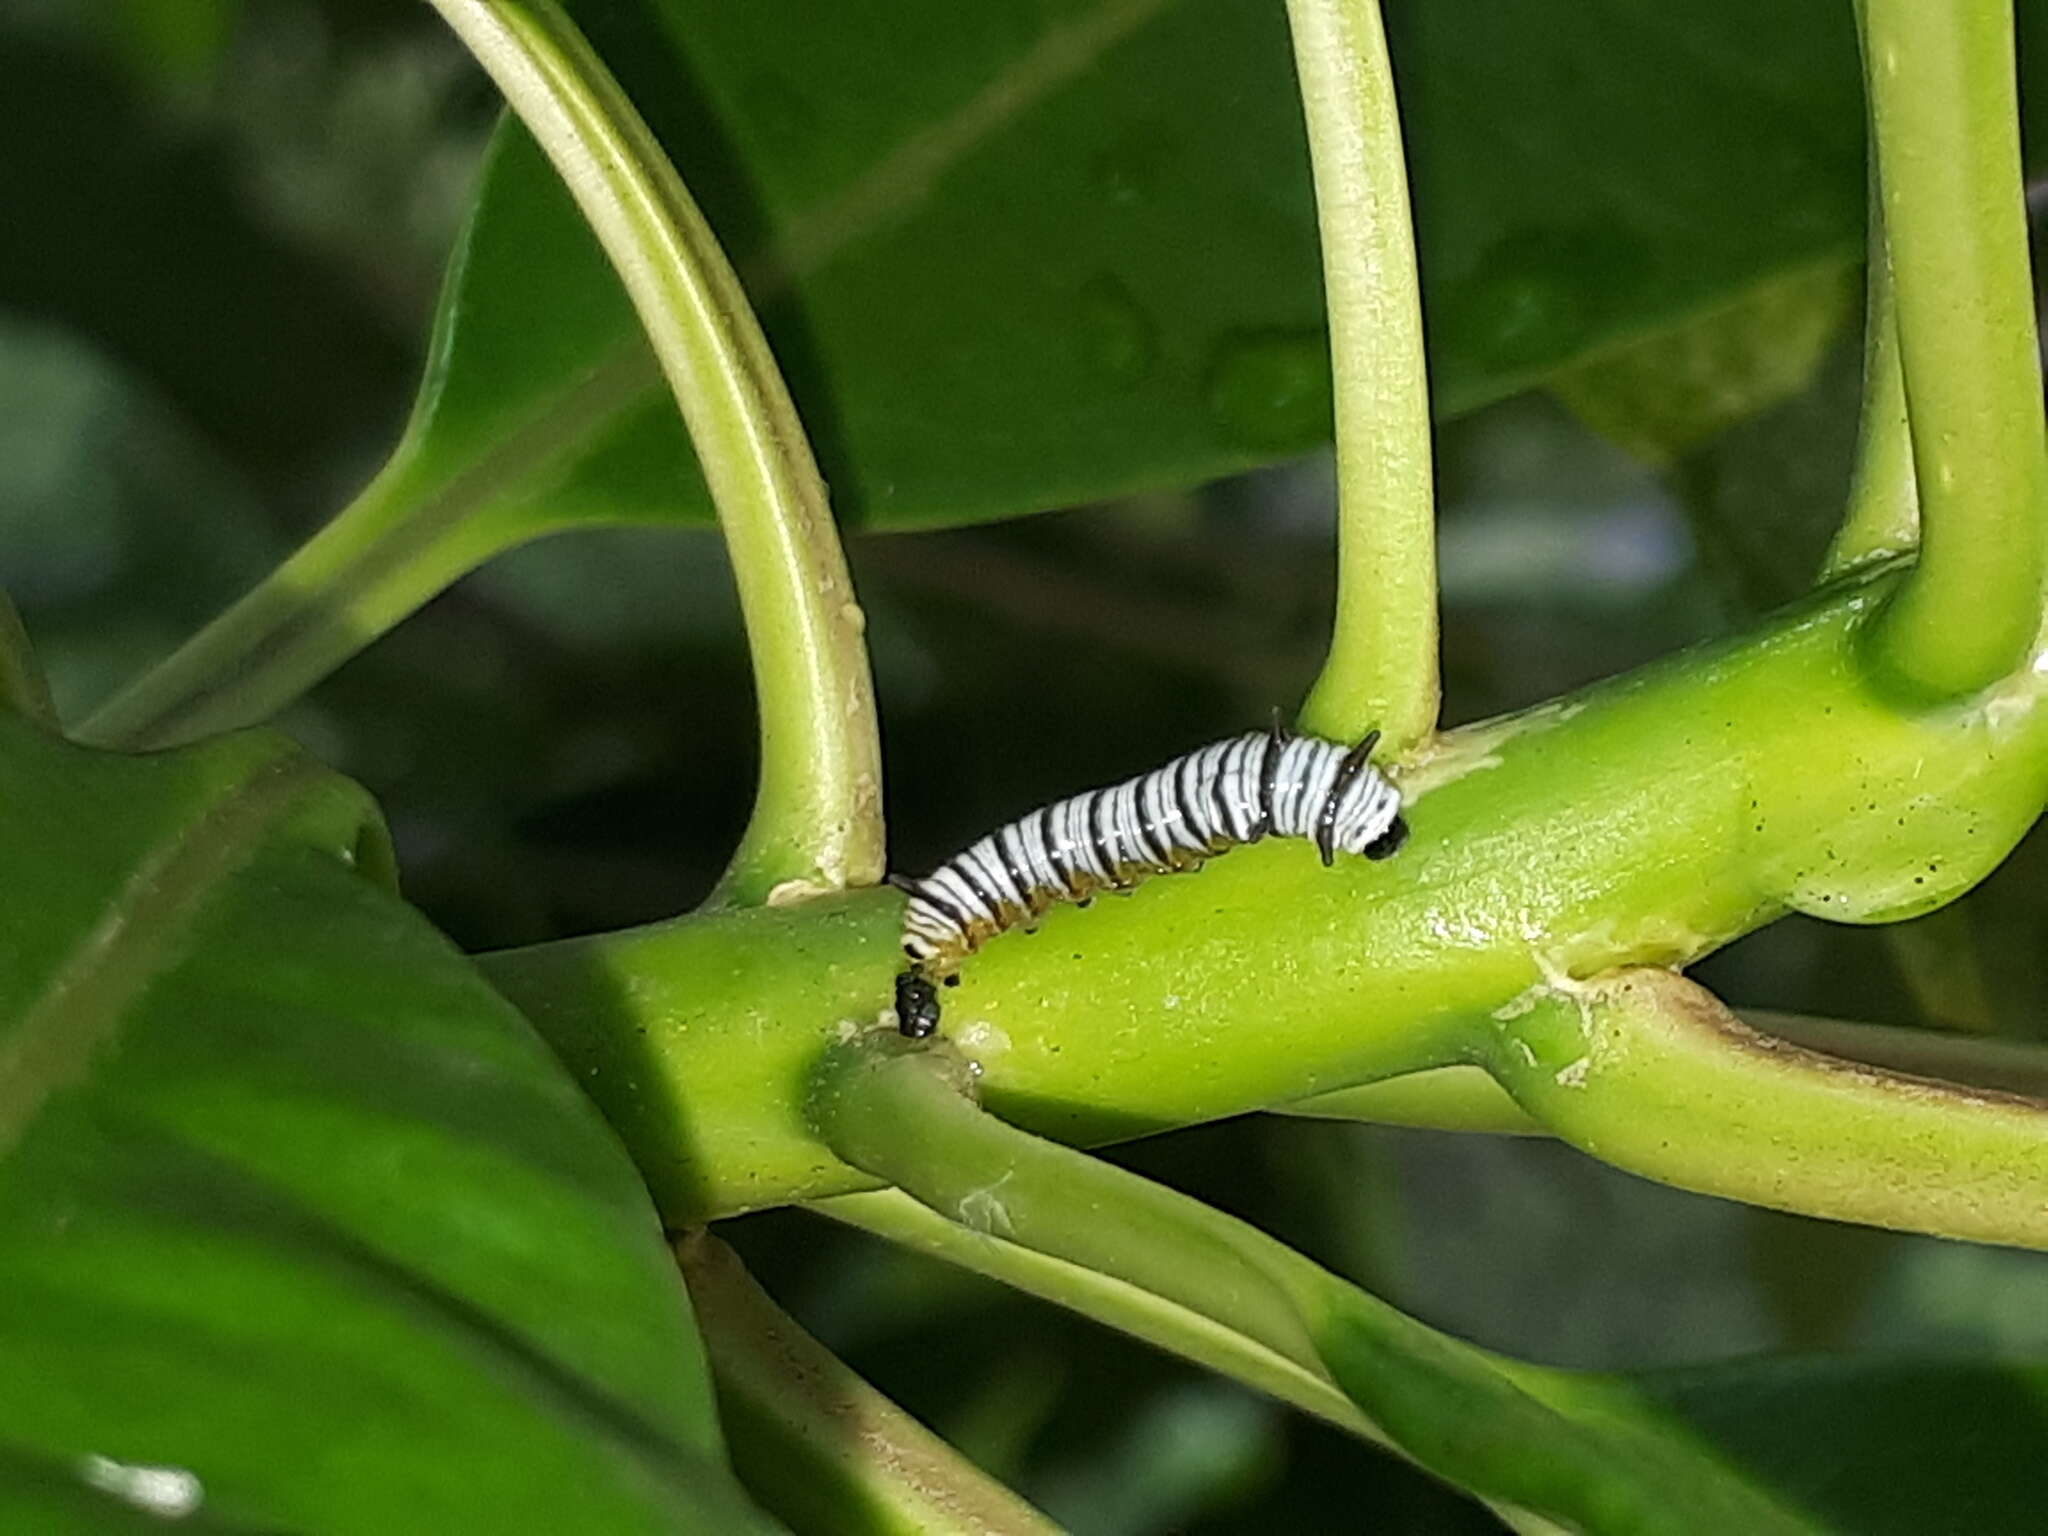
x=1223, y=796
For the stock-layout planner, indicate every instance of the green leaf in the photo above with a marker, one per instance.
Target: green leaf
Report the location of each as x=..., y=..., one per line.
x=301, y=1221
x=1872, y=1446
x=1007, y=274
x=1048, y=254
x=1670, y=393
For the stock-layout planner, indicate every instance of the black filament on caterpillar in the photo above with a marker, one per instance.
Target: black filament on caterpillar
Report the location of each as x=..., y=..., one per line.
x=1223, y=796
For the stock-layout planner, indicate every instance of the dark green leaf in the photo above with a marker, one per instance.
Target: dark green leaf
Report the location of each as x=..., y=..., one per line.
x=1030, y=254
x=1876, y=1447
x=302, y=1224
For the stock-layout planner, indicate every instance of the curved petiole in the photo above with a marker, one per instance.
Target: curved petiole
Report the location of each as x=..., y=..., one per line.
x=1556, y=1444
x=1381, y=672
x=1945, y=134
x=817, y=816
x=812, y=1441
x=1466, y=1098
x=1649, y=1071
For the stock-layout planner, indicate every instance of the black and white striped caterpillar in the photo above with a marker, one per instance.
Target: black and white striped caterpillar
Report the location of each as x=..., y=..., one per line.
x=1236, y=791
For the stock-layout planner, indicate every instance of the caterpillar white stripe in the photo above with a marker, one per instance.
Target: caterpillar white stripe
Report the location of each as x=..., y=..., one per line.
x=1237, y=791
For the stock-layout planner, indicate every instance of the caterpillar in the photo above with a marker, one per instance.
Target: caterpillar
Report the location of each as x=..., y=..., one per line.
x=1222, y=796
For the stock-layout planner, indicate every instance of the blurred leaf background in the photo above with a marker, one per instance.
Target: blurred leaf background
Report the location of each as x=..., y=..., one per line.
x=230, y=218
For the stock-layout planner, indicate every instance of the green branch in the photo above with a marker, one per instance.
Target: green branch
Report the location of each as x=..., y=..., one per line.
x=817, y=816
x=814, y=1443
x=817, y=819
x=373, y=564
x=1564, y=1446
x=1382, y=666
x=1115, y=1303
x=1647, y=821
x=1465, y=1098
x=1650, y=1073
x=1945, y=130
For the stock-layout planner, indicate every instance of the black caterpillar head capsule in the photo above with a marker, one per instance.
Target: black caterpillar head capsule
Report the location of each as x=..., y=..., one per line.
x=1389, y=842
x=917, y=1005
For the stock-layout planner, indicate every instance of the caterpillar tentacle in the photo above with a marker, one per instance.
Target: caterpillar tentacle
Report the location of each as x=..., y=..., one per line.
x=1222, y=796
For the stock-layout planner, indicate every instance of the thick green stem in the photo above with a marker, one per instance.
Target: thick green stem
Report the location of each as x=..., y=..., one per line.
x=1647, y=821
x=817, y=817
x=816, y=1445
x=1649, y=1072
x=1382, y=666
x=1883, y=516
x=1945, y=130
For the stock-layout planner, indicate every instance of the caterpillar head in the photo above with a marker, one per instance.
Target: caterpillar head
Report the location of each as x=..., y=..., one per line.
x=917, y=1005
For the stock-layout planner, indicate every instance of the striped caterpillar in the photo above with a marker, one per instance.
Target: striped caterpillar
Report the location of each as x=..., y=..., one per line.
x=1219, y=797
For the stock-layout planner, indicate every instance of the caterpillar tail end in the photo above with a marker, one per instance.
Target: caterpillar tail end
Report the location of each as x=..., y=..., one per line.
x=917, y=1005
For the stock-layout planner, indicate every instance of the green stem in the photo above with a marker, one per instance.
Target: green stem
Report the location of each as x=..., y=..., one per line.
x=1643, y=822
x=1617, y=1065
x=817, y=817
x=815, y=1444
x=1113, y=1302
x=1460, y=1098
x=1540, y=1440
x=1945, y=128
x=1465, y=1098
x=1382, y=667
x=903, y=1113
x=378, y=561
x=1883, y=516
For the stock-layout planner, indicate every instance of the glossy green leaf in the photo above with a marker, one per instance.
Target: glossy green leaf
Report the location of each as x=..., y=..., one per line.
x=1034, y=254
x=304, y=1229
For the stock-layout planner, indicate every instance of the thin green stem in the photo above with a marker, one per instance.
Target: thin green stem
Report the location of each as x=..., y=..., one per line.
x=814, y=1443
x=904, y=1113
x=1883, y=516
x=1616, y=1066
x=378, y=561
x=1945, y=131
x=1539, y=1440
x=817, y=817
x=1465, y=1098
x=1114, y=1303
x=1382, y=667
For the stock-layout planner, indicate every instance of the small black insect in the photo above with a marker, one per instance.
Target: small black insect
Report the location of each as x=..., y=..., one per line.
x=1234, y=792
